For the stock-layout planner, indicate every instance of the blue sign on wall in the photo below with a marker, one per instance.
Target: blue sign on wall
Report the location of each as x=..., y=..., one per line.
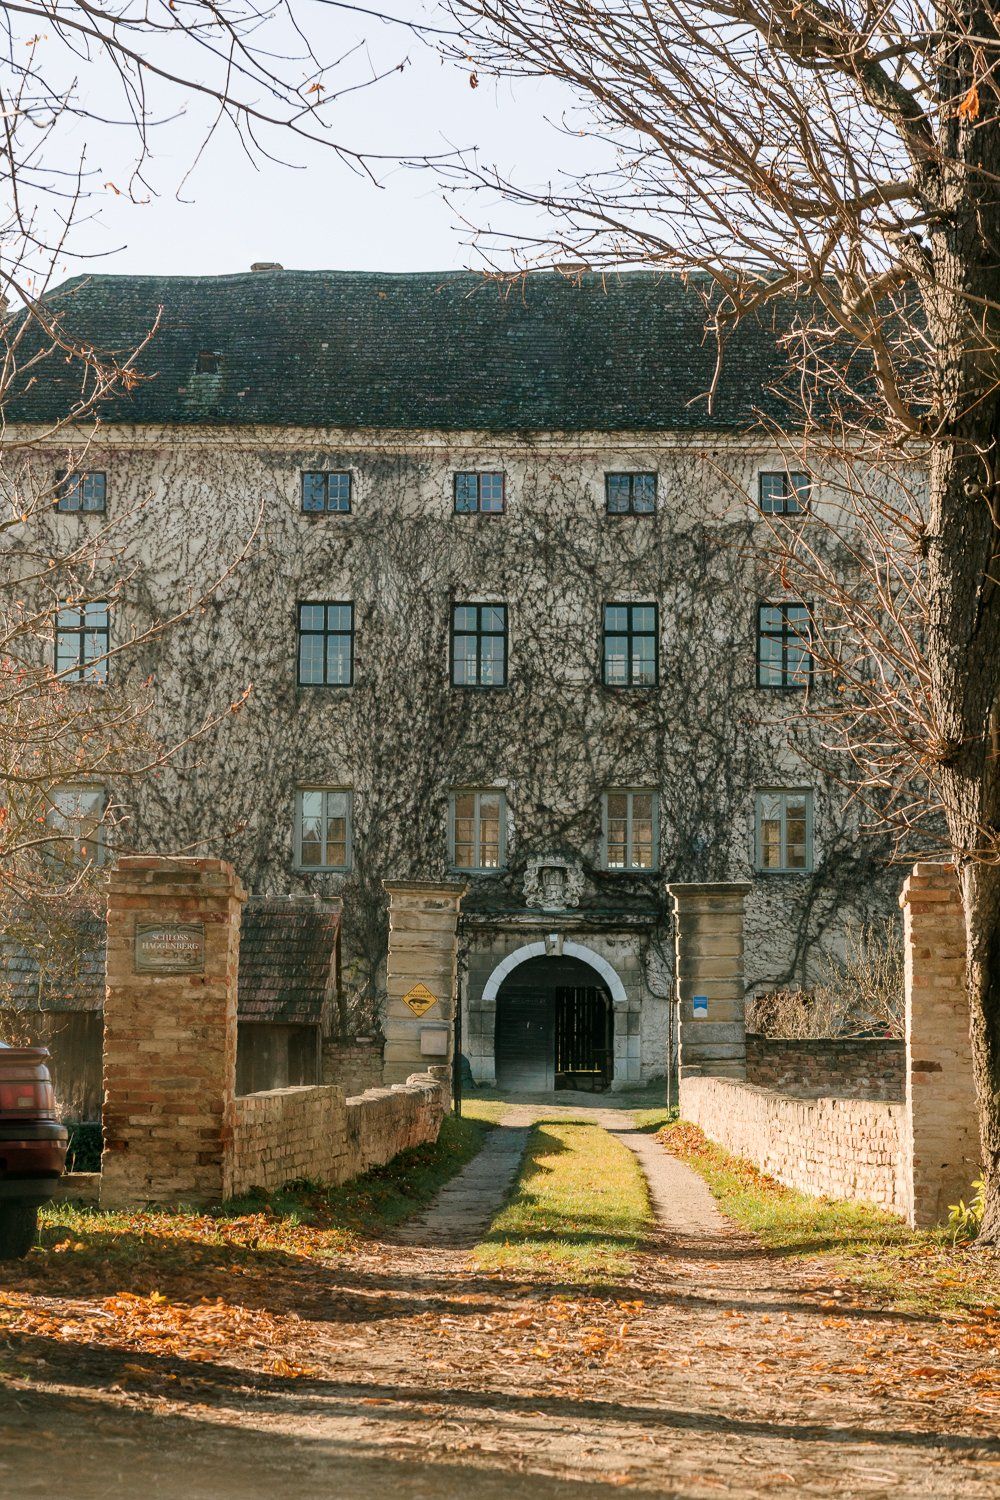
x=699, y=1006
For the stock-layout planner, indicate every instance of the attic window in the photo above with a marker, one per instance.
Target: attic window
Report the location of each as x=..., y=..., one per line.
x=209, y=362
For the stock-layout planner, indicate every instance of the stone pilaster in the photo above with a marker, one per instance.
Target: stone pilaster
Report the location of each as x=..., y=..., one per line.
x=942, y=1147
x=423, y=951
x=169, y=1030
x=709, y=937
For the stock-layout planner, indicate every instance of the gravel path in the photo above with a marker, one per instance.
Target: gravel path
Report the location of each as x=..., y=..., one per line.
x=465, y=1207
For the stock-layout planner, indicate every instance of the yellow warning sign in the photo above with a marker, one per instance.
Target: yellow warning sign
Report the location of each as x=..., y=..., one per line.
x=419, y=999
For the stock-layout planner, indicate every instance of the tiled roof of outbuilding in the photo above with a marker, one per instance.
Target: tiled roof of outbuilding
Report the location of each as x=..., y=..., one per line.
x=289, y=954
x=448, y=352
x=57, y=964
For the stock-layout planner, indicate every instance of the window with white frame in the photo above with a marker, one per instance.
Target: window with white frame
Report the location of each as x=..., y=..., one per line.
x=631, y=834
x=784, y=836
x=83, y=638
x=76, y=818
x=323, y=828
x=477, y=830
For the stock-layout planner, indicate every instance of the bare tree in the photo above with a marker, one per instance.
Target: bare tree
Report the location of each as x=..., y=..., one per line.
x=86, y=94
x=834, y=166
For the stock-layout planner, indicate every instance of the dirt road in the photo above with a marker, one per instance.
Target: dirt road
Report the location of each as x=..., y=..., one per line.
x=715, y=1369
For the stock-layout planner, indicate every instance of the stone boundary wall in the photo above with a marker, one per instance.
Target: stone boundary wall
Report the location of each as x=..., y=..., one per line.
x=844, y=1067
x=837, y=1148
x=353, y=1065
x=314, y=1133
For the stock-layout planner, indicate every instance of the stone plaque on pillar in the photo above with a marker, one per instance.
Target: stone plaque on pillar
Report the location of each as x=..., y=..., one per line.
x=421, y=973
x=710, y=986
x=169, y=1030
x=169, y=948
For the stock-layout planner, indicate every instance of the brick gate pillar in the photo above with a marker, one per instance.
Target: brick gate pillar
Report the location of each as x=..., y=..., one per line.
x=421, y=978
x=942, y=1147
x=709, y=937
x=169, y=1030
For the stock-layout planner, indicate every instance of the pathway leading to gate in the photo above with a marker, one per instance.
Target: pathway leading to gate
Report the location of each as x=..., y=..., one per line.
x=714, y=1369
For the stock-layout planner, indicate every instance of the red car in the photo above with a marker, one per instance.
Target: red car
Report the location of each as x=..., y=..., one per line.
x=32, y=1146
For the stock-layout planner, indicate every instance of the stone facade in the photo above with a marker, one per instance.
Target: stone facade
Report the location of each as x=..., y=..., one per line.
x=838, y=1148
x=423, y=956
x=710, y=978
x=169, y=1038
x=847, y=1067
x=943, y=1146
x=400, y=739
x=617, y=958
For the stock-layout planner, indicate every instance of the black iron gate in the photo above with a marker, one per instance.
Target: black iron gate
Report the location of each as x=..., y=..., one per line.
x=583, y=1038
x=553, y=1030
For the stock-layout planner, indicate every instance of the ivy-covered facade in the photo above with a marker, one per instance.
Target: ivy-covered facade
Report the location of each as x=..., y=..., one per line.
x=493, y=627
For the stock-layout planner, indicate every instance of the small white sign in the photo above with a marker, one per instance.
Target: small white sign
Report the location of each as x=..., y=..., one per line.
x=699, y=1007
x=434, y=1041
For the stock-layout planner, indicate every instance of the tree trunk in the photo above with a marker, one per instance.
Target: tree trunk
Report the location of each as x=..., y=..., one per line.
x=964, y=660
x=964, y=653
x=981, y=898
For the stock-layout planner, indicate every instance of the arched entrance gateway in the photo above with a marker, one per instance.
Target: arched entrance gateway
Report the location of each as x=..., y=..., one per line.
x=554, y=1026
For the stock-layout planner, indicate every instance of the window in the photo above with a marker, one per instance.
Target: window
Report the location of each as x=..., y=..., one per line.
x=782, y=493
x=326, y=491
x=83, y=490
x=784, y=658
x=76, y=818
x=208, y=362
x=326, y=645
x=630, y=494
x=631, y=656
x=482, y=493
x=323, y=829
x=784, y=831
x=82, y=642
x=477, y=834
x=479, y=645
x=630, y=830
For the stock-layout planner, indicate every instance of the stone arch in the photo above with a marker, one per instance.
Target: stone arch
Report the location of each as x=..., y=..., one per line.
x=568, y=950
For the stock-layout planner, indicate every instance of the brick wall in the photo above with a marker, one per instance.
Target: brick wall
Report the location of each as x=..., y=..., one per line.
x=315, y=1134
x=169, y=1037
x=354, y=1065
x=175, y=1130
x=943, y=1147
x=838, y=1148
x=845, y=1067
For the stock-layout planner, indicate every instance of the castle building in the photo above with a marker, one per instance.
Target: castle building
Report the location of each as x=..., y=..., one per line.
x=496, y=578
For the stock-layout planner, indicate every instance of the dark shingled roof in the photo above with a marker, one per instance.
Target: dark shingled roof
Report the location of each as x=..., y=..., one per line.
x=450, y=351
x=63, y=969
x=289, y=960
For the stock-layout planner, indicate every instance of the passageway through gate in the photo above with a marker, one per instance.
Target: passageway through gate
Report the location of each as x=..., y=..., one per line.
x=554, y=1027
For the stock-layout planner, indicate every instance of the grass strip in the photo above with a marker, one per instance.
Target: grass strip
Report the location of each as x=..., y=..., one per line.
x=580, y=1207
x=302, y=1219
x=915, y=1270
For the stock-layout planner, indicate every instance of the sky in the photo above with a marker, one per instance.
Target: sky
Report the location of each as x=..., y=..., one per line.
x=318, y=213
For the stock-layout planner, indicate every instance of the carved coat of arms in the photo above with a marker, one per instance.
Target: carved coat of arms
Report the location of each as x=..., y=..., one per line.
x=553, y=883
